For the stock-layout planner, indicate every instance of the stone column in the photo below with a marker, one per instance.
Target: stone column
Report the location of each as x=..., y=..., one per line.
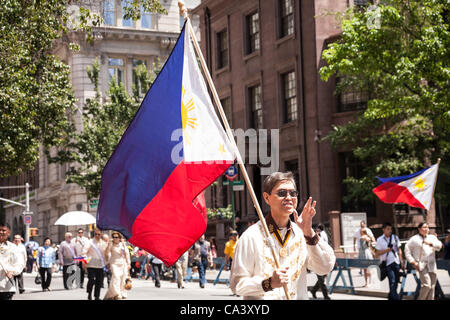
x=335, y=226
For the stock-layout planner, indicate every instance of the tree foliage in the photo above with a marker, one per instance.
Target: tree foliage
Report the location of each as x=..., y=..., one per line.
x=34, y=84
x=36, y=97
x=404, y=63
x=104, y=123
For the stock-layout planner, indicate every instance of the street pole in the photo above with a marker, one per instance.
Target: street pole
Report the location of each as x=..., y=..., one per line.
x=233, y=217
x=27, y=210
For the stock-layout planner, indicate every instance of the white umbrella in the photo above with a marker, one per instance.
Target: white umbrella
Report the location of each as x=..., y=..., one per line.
x=75, y=218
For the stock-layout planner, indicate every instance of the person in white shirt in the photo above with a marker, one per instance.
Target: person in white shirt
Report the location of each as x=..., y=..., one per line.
x=357, y=235
x=420, y=252
x=10, y=263
x=94, y=251
x=80, y=241
x=320, y=283
x=254, y=274
x=388, y=249
x=22, y=254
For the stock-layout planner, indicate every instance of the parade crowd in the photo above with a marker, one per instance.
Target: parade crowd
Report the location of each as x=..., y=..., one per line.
x=98, y=258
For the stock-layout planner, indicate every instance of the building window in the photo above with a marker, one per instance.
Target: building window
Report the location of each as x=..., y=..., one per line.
x=361, y=3
x=349, y=166
x=287, y=18
x=135, y=64
x=226, y=105
x=222, y=49
x=254, y=95
x=292, y=166
x=109, y=13
x=146, y=19
x=252, y=22
x=126, y=22
x=116, y=69
x=181, y=22
x=289, y=93
x=352, y=96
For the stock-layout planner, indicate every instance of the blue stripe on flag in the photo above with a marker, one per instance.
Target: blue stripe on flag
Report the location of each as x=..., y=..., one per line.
x=402, y=178
x=141, y=162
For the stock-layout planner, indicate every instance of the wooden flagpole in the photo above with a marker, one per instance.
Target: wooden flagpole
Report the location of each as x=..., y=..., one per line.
x=434, y=188
x=183, y=12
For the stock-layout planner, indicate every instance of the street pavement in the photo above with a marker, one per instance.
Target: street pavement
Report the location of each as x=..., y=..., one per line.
x=146, y=290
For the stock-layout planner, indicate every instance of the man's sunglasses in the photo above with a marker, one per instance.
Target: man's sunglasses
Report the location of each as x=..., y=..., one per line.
x=283, y=193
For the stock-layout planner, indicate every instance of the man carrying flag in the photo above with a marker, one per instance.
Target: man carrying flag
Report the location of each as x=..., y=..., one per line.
x=416, y=190
x=174, y=148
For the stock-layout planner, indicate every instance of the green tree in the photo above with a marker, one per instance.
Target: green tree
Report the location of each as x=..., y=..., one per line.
x=104, y=123
x=34, y=84
x=36, y=98
x=403, y=62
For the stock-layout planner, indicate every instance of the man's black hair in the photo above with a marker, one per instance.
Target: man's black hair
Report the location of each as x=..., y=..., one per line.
x=5, y=224
x=386, y=224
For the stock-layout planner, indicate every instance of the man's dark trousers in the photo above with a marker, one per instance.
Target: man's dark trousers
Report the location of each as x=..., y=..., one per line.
x=393, y=272
x=95, y=278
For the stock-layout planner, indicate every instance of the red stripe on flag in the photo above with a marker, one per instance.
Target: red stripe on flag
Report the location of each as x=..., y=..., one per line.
x=175, y=218
x=390, y=192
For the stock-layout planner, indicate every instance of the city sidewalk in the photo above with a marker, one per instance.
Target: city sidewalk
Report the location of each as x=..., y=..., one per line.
x=379, y=290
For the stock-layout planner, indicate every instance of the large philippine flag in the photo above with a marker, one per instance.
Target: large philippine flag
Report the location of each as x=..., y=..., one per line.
x=415, y=189
x=175, y=147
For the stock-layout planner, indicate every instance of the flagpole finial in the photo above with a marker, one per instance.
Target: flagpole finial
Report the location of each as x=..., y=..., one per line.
x=183, y=10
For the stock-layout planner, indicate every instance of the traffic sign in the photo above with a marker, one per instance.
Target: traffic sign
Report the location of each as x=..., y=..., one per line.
x=238, y=187
x=231, y=173
x=234, y=183
x=27, y=219
x=93, y=203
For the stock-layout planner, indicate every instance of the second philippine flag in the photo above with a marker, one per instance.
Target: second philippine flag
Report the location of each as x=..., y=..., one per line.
x=416, y=190
x=174, y=148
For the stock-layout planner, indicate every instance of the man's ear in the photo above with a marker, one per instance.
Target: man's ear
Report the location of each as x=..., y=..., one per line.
x=266, y=197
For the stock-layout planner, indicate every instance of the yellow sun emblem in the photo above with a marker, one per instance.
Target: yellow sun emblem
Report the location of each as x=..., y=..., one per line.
x=419, y=184
x=186, y=120
x=221, y=148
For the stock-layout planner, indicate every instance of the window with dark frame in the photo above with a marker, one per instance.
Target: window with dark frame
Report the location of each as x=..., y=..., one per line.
x=362, y=3
x=226, y=105
x=289, y=94
x=292, y=166
x=286, y=18
x=116, y=70
x=349, y=166
x=254, y=97
x=222, y=49
x=352, y=97
x=135, y=64
x=252, y=22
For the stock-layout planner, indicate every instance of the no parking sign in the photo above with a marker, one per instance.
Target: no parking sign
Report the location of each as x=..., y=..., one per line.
x=27, y=219
x=231, y=173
